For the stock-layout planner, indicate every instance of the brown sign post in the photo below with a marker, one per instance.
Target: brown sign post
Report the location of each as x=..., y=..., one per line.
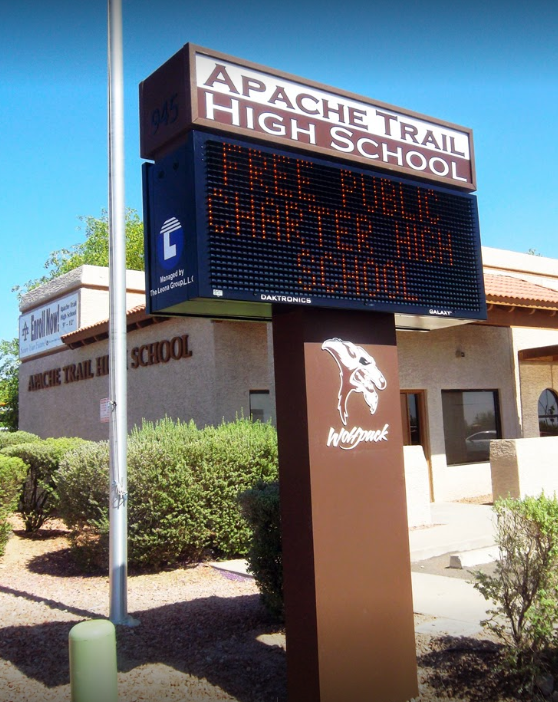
x=349, y=613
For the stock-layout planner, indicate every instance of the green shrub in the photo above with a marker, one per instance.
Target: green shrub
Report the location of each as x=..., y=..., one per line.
x=10, y=438
x=167, y=434
x=228, y=460
x=12, y=475
x=38, y=498
x=261, y=508
x=165, y=507
x=161, y=498
x=83, y=490
x=524, y=587
x=183, y=484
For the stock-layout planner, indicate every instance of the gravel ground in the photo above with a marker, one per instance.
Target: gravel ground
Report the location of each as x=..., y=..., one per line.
x=203, y=635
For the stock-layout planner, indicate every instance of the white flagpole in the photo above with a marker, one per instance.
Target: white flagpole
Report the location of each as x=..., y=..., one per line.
x=118, y=434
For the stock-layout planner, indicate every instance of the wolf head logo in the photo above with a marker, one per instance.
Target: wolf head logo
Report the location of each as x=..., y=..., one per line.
x=358, y=373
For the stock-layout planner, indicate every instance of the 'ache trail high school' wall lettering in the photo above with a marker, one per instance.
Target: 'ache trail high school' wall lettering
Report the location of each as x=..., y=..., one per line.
x=140, y=356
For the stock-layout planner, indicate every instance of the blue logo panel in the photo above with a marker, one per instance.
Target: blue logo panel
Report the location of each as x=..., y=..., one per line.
x=170, y=244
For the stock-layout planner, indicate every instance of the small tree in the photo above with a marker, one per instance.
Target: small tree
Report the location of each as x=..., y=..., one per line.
x=9, y=384
x=524, y=587
x=94, y=251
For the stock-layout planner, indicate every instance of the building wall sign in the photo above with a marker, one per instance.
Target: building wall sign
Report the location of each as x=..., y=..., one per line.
x=140, y=356
x=203, y=88
x=41, y=329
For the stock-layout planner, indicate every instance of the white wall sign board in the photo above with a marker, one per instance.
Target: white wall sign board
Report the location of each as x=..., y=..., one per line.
x=41, y=329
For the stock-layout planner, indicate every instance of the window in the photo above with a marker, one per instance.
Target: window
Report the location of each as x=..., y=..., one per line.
x=471, y=421
x=411, y=414
x=548, y=413
x=260, y=406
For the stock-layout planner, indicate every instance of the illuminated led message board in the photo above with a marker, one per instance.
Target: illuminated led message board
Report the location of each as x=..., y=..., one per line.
x=233, y=227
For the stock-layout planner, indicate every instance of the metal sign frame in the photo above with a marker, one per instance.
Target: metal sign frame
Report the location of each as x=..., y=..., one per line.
x=199, y=88
x=176, y=207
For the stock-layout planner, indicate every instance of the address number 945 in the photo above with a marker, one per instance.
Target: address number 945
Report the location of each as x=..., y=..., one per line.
x=165, y=115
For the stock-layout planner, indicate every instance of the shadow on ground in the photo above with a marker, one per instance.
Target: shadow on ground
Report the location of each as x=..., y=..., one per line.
x=213, y=638
x=60, y=564
x=470, y=669
x=44, y=534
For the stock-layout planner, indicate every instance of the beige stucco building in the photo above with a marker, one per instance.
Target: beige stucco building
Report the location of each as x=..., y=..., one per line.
x=462, y=387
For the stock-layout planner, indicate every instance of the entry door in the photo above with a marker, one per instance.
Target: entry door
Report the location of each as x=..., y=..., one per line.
x=413, y=415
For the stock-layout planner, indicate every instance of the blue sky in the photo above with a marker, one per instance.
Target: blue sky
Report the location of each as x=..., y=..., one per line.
x=491, y=66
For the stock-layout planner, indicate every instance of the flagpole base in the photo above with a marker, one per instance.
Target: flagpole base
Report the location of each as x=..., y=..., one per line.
x=128, y=620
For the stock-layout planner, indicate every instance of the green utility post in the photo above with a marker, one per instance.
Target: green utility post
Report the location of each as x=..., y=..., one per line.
x=93, y=662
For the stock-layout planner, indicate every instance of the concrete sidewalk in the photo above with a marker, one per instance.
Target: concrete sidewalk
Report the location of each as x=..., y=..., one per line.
x=456, y=606
x=455, y=527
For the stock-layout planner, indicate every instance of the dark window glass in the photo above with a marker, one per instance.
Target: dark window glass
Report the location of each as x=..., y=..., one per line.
x=410, y=414
x=414, y=419
x=471, y=421
x=260, y=406
x=548, y=413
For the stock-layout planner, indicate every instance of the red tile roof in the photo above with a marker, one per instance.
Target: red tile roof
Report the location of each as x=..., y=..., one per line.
x=136, y=317
x=500, y=290
x=505, y=289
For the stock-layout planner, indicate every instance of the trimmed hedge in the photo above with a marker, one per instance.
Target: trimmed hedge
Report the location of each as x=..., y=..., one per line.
x=261, y=508
x=38, y=498
x=228, y=460
x=183, y=484
x=83, y=486
x=165, y=508
x=12, y=475
x=10, y=438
